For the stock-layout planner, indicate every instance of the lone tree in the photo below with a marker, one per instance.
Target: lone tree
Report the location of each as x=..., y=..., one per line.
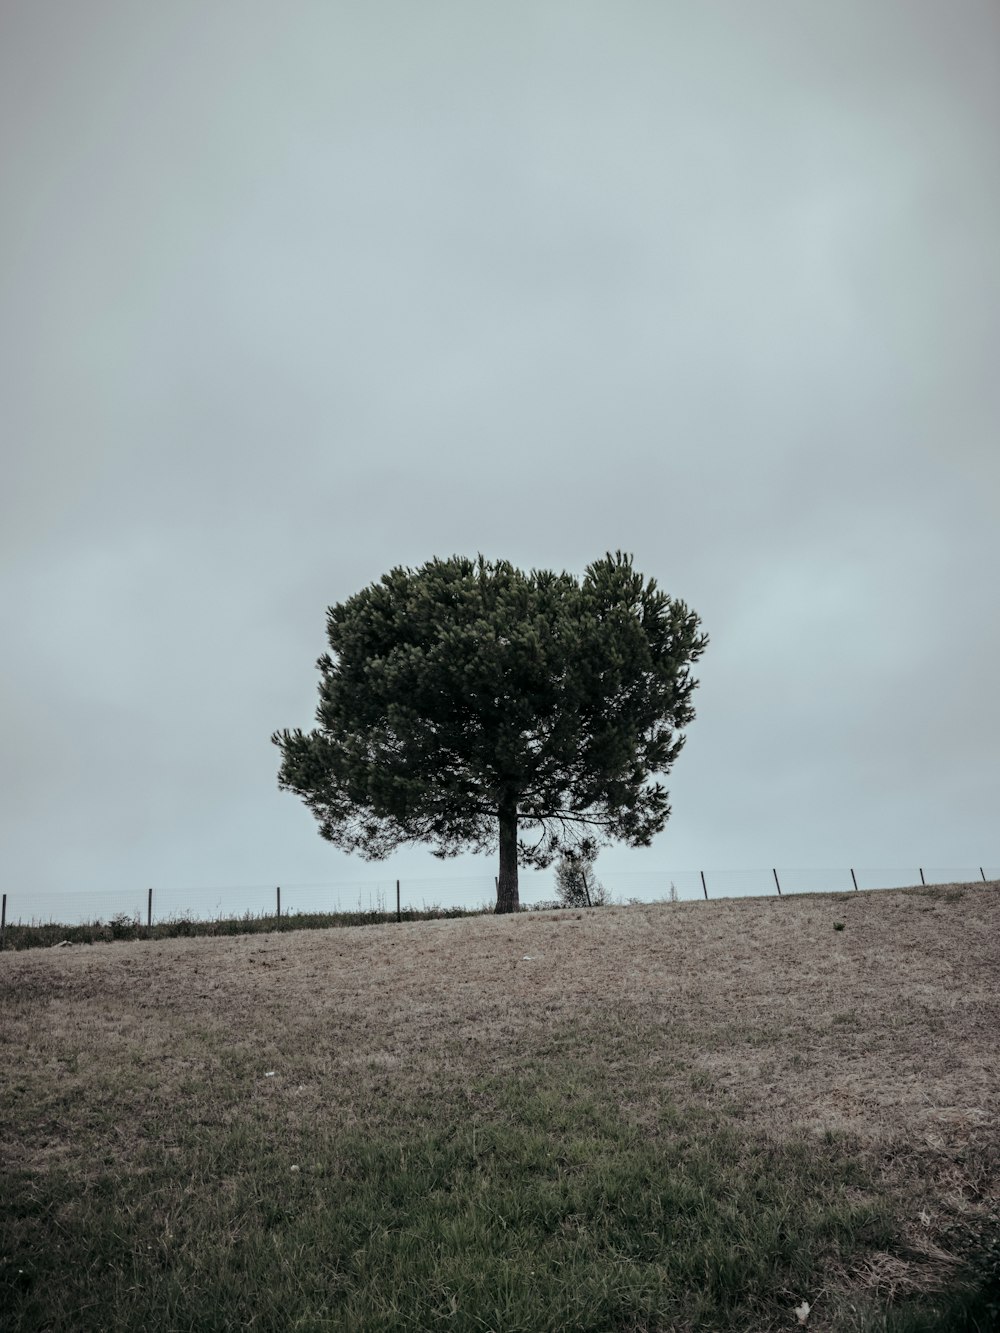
x=466, y=701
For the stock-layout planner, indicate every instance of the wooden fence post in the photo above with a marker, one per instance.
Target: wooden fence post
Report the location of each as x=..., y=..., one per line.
x=3, y=921
x=279, y=901
x=922, y=880
x=981, y=872
x=775, y=874
x=704, y=887
x=855, y=881
x=149, y=910
x=399, y=913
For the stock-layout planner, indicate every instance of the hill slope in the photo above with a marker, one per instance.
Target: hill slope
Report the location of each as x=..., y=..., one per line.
x=678, y=1116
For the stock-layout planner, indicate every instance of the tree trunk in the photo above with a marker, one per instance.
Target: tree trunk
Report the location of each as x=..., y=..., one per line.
x=507, y=897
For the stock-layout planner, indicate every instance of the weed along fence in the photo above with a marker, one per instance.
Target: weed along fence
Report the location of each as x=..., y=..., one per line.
x=123, y=912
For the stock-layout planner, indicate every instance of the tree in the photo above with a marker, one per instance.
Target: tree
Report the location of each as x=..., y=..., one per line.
x=465, y=701
x=576, y=884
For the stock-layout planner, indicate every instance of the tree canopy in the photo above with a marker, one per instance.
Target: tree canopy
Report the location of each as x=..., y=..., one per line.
x=466, y=703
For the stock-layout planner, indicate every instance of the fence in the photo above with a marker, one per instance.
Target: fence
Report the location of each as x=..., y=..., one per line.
x=148, y=906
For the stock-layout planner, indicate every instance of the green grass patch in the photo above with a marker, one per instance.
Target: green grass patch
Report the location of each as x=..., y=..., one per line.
x=547, y=1210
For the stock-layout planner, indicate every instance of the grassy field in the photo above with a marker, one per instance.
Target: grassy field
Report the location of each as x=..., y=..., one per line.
x=684, y=1116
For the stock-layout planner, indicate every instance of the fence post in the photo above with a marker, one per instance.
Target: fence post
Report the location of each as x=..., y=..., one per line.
x=704, y=887
x=279, y=901
x=855, y=881
x=922, y=880
x=775, y=874
x=149, y=910
x=980, y=871
x=399, y=914
x=3, y=921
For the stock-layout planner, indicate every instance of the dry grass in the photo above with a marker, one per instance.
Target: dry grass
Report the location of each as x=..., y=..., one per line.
x=753, y=1013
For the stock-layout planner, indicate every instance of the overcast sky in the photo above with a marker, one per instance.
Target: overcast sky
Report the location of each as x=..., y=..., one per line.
x=292, y=294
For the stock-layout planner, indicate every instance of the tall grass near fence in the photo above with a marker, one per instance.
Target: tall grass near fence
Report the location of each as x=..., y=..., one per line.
x=373, y=909
x=321, y=903
x=123, y=927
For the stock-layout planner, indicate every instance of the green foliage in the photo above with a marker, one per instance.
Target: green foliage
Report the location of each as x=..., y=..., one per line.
x=576, y=884
x=467, y=699
x=124, y=927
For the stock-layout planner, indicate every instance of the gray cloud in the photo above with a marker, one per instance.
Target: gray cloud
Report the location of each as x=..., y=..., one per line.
x=285, y=303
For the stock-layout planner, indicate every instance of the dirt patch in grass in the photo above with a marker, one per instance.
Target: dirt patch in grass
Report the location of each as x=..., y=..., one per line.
x=754, y=1014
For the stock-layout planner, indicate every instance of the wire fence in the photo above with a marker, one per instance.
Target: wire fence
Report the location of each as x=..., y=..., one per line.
x=150, y=906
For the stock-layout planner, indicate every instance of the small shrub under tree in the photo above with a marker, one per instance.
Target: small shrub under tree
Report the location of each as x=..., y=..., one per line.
x=576, y=883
